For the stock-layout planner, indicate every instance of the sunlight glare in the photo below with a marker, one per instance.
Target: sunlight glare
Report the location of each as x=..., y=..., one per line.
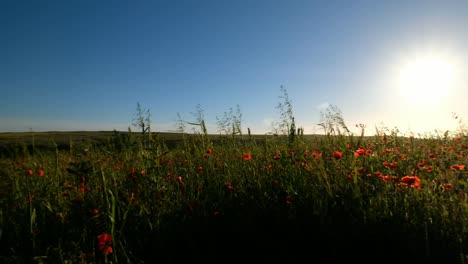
x=426, y=79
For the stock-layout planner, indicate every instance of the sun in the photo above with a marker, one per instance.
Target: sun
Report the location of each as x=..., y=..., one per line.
x=426, y=79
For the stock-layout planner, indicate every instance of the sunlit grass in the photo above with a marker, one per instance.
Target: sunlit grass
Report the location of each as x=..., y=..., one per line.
x=402, y=198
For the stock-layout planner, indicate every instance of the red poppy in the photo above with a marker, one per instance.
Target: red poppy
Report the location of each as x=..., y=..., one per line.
x=132, y=198
x=40, y=173
x=316, y=154
x=209, y=151
x=359, y=152
x=270, y=167
x=457, y=167
x=104, y=241
x=30, y=172
x=247, y=156
x=229, y=185
x=180, y=180
x=411, y=181
x=200, y=169
x=337, y=154
x=448, y=186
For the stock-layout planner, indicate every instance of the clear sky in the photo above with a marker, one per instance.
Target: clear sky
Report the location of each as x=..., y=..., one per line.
x=85, y=64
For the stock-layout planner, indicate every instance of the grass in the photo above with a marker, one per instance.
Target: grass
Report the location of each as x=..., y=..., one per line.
x=109, y=197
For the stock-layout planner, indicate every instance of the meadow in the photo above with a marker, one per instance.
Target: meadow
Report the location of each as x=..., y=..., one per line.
x=120, y=197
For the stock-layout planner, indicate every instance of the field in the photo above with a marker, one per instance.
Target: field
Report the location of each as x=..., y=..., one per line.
x=120, y=197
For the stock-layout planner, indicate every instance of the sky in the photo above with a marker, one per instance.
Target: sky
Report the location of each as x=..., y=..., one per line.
x=86, y=64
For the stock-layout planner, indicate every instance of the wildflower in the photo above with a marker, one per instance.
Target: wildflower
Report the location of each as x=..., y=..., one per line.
x=447, y=186
x=200, y=169
x=270, y=167
x=429, y=168
x=392, y=165
x=359, y=152
x=247, y=156
x=384, y=178
x=422, y=163
x=277, y=156
x=457, y=167
x=209, y=151
x=384, y=138
x=216, y=213
x=40, y=173
x=457, y=138
x=337, y=154
x=289, y=199
x=229, y=185
x=30, y=172
x=316, y=154
x=180, y=180
x=104, y=241
x=411, y=181
x=95, y=211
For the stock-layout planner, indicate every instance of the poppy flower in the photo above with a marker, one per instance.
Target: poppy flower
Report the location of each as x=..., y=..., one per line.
x=229, y=185
x=180, y=180
x=40, y=173
x=337, y=154
x=411, y=181
x=247, y=156
x=457, y=167
x=359, y=152
x=104, y=241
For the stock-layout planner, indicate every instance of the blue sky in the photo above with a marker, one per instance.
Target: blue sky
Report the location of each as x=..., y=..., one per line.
x=84, y=65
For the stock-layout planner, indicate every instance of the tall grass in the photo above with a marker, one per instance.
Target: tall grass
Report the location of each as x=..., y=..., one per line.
x=232, y=197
